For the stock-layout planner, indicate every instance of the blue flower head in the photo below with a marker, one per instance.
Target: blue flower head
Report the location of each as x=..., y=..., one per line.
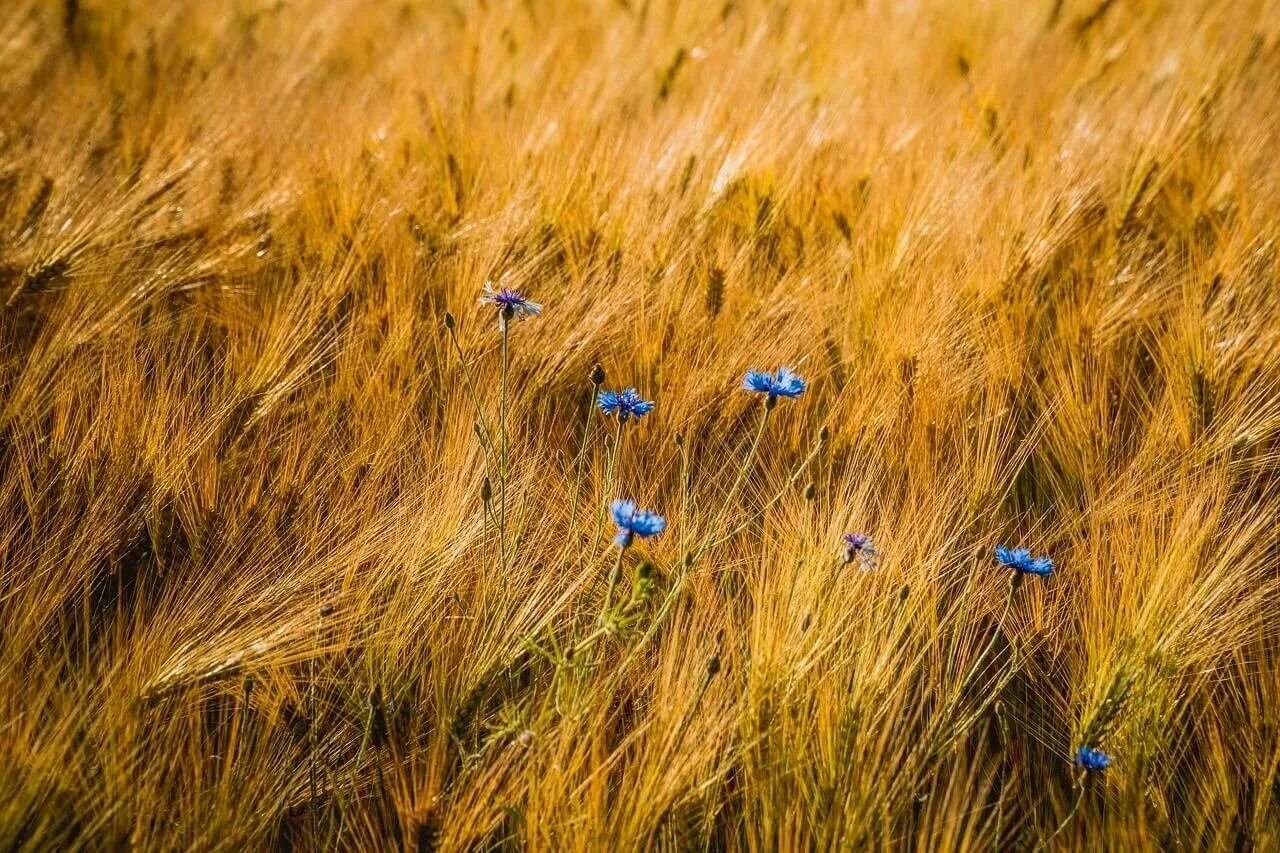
x=1092, y=760
x=1021, y=561
x=510, y=303
x=857, y=546
x=625, y=404
x=784, y=382
x=634, y=522
x=856, y=541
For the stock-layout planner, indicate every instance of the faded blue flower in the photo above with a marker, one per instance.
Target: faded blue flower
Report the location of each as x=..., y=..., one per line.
x=1092, y=760
x=625, y=404
x=857, y=546
x=510, y=303
x=784, y=382
x=1021, y=561
x=634, y=522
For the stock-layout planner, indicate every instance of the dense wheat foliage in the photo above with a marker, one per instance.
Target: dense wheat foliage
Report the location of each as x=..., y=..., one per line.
x=256, y=590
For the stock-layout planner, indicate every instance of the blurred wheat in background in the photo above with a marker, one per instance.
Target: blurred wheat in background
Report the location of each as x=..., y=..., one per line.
x=303, y=545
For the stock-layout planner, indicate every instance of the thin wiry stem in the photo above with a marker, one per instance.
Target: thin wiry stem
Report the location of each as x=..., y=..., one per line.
x=615, y=575
x=610, y=469
x=486, y=442
x=502, y=459
x=1080, y=784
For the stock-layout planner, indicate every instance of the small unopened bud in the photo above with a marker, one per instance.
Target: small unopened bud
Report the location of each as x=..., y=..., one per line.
x=679, y=439
x=326, y=609
x=486, y=490
x=597, y=374
x=810, y=492
x=642, y=589
x=903, y=593
x=713, y=666
x=449, y=322
x=824, y=435
x=804, y=623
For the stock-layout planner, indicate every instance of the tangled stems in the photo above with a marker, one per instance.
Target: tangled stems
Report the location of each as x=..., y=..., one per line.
x=747, y=461
x=773, y=501
x=614, y=576
x=486, y=435
x=1014, y=582
x=597, y=379
x=690, y=559
x=610, y=468
x=1081, y=780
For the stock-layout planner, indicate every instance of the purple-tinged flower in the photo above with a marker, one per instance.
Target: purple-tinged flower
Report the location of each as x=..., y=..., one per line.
x=634, y=522
x=625, y=404
x=784, y=382
x=857, y=546
x=511, y=304
x=1021, y=561
x=1092, y=760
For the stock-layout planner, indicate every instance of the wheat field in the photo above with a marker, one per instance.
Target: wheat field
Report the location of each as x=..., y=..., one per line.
x=305, y=546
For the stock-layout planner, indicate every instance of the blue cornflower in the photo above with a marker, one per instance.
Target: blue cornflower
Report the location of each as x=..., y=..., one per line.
x=634, y=522
x=857, y=546
x=1092, y=760
x=784, y=382
x=625, y=404
x=1021, y=561
x=511, y=303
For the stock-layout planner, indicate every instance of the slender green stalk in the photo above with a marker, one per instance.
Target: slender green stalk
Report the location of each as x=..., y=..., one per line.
x=614, y=576
x=610, y=468
x=1080, y=784
x=1014, y=583
x=502, y=459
